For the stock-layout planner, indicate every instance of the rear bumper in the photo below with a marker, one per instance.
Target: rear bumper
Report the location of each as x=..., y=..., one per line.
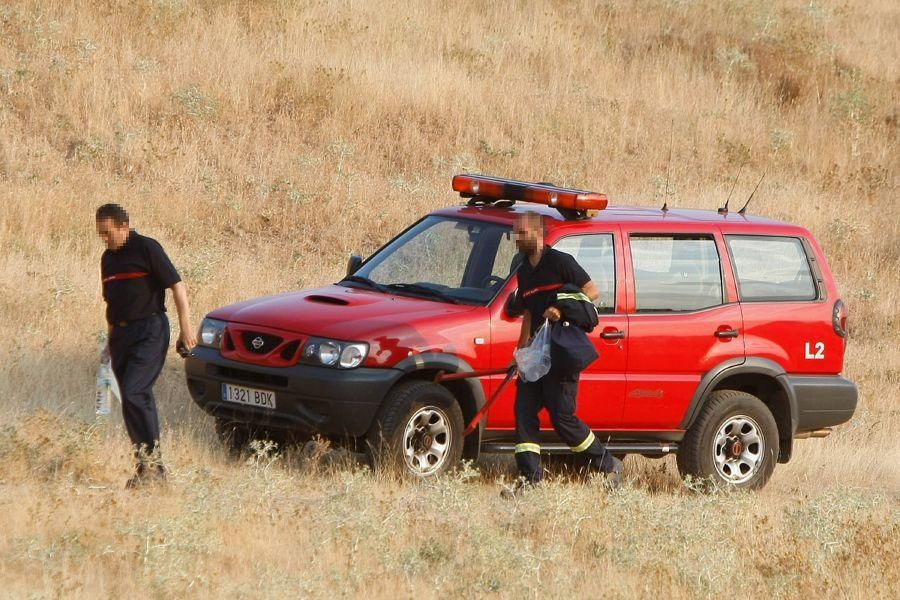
x=822, y=401
x=308, y=398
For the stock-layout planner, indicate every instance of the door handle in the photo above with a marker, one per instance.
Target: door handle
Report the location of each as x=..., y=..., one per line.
x=727, y=333
x=613, y=335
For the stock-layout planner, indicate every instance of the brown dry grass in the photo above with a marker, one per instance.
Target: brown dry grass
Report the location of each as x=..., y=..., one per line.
x=262, y=142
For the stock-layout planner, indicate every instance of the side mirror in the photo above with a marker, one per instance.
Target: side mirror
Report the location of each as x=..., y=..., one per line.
x=513, y=308
x=353, y=264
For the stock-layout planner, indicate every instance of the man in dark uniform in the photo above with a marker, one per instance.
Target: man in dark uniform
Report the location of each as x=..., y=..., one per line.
x=136, y=272
x=541, y=274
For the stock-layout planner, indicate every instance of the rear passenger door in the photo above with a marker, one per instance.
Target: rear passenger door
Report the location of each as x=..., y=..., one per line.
x=786, y=316
x=682, y=320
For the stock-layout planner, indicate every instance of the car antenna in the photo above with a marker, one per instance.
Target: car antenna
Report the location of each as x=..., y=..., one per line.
x=665, y=206
x=724, y=210
x=747, y=203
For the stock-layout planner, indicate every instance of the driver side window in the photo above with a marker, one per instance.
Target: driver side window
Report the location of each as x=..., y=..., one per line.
x=596, y=255
x=507, y=259
x=436, y=255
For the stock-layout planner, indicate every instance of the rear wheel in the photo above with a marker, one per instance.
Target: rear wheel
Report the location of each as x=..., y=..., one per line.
x=734, y=441
x=419, y=431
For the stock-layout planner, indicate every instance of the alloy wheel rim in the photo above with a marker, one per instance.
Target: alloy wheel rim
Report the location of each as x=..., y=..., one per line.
x=738, y=449
x=426, y=441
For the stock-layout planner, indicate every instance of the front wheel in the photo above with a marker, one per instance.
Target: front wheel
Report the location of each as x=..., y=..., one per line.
x=734, y=441
x=419, y=431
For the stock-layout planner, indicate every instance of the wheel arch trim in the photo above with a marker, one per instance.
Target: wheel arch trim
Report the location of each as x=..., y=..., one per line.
x=450, y=363
x=747, y=366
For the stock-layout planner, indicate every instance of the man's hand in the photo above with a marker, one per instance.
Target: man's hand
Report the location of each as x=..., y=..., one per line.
x=188, y=338
x=553, y=314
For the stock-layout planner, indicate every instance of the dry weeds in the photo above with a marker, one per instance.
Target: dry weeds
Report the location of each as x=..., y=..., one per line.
x=262, y=142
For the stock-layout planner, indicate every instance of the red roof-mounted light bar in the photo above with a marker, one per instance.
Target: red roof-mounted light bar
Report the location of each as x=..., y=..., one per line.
x=494, y=189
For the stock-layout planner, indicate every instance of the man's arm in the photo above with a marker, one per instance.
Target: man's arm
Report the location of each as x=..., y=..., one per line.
x=187, y=335
x=525, y=333
x=591, y=290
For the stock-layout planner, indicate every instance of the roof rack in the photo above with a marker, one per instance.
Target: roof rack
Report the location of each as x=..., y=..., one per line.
x=483, y=190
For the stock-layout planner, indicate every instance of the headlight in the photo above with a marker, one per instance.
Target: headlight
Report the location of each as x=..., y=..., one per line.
x=353, y=354
x=333, y=353
x=329, y=352
x=211, y=331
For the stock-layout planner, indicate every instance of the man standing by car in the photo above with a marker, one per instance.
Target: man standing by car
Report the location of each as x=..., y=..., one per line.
x=136, y=272
x=541, y=274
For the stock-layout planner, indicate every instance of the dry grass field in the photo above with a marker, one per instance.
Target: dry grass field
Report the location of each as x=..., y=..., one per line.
x=263, y=142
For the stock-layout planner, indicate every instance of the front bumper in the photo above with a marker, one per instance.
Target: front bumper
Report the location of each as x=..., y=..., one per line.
x=822, y=401
x=308, y=398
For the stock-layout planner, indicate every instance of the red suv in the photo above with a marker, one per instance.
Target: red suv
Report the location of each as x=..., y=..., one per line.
x=721, y=338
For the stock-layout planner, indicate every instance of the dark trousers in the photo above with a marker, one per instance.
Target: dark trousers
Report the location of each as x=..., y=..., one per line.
x=558, y=394
x=138, y=351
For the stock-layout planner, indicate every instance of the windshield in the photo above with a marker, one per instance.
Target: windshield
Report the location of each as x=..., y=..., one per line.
x=443, y=259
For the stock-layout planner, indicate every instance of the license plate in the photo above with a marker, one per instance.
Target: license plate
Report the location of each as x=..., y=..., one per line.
x=248, y=396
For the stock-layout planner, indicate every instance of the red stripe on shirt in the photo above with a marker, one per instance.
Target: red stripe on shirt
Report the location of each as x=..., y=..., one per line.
x=119, y=276
x=542, y=288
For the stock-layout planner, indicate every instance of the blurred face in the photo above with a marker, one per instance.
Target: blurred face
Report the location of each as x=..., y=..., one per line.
x=529, y=235
x=113, y=234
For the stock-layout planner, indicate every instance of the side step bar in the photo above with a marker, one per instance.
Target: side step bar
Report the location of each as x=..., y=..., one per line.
x=614, y=447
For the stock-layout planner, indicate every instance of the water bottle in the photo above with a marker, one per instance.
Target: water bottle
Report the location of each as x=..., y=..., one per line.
x=104, y=385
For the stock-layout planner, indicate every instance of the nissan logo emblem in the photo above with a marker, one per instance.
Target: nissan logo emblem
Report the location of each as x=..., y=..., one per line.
x=257, y=343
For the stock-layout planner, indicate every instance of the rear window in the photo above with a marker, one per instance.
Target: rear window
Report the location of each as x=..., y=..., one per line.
x=675, y=272
x=771, y=268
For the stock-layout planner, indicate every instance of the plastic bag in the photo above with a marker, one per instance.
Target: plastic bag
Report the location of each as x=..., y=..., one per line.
x=533, y=361
x=107, y=386
x=104, y=390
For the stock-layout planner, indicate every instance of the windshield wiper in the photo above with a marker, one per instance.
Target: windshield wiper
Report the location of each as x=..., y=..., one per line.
x=422, y=289
x=366, y=282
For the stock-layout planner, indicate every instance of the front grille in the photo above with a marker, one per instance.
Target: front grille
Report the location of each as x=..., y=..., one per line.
x=260, y=343
x=251, y=376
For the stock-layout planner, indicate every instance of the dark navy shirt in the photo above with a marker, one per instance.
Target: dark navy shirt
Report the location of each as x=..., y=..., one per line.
x=539, y=285
x=135, y=278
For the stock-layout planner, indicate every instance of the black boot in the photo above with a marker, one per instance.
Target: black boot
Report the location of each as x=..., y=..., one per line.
x=138, y=479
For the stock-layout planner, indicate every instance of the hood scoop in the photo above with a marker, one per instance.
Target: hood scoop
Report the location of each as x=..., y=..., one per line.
x=327, y=300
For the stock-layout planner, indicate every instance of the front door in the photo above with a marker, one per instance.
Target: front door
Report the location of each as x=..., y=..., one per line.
x=681, y=324
x=602, y=386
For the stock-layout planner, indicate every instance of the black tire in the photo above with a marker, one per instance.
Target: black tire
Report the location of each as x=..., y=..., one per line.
x=435, y=444
x=729, y=426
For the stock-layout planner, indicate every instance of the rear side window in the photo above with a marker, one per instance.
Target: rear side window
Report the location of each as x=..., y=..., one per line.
x=771, y=268
x=675, y=272
x=595, y=254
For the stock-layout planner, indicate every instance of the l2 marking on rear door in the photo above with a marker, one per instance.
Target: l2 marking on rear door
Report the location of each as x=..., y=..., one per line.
x=819, y=353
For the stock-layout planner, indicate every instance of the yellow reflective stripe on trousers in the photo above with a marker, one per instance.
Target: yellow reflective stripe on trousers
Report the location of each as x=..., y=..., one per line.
x=527, y=447
x=585, y=444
